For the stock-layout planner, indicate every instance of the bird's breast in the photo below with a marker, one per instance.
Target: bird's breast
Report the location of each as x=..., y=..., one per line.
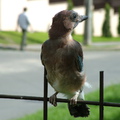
x=61, y=69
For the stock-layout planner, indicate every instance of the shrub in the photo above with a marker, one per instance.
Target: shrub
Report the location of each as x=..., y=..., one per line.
x=106, y=24
x=70, y=5
x=118, y=29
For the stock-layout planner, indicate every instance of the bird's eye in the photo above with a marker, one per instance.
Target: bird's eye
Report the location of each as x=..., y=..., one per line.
x=74, y=15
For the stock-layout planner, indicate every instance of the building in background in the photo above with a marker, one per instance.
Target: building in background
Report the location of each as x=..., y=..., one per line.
x=40, y=13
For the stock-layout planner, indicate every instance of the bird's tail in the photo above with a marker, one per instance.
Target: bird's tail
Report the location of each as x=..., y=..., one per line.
x=79, y=110
x=88, y=85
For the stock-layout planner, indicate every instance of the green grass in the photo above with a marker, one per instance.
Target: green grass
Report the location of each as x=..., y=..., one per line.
x=9, y=37
x=106, y=39
x=111, y=94
x=12, y=37
x=37, y=37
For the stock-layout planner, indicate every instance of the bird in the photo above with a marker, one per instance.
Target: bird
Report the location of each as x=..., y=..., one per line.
x=62, y=58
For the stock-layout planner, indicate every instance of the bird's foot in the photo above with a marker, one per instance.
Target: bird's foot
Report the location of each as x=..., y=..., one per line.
x=73, y=100
x=52, y=99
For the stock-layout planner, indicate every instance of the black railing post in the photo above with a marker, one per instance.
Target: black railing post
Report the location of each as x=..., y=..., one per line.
x=45, y=106
x=101, y=107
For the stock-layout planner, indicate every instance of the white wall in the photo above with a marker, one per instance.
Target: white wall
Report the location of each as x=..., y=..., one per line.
x=9, y=13
x=41, y=13
x=114, y=23
x=38, y=12
x=98, y=18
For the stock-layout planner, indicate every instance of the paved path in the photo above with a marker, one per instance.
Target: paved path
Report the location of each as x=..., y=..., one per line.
x=94, y=46
x=21, y=73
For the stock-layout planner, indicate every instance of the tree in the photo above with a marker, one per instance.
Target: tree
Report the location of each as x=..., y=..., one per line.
x=70, y=5
x=118, y=29
x=106, y=24
x=88, y=23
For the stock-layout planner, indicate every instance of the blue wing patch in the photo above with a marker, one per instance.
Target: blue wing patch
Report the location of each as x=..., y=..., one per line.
x=80, y=63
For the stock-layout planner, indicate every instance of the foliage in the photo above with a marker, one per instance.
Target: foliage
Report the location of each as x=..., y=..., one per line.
x=118, y=29
x=106, y=24
x=60, y=112
x=12, y=37
x=70, y=5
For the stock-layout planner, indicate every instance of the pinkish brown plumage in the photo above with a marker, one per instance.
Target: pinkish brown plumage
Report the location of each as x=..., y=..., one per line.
x=62, y=58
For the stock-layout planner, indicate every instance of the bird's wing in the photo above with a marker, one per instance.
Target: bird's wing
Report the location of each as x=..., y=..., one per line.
x=79, y=58
x=44, y=50
x=79, y=63
x=41, y=55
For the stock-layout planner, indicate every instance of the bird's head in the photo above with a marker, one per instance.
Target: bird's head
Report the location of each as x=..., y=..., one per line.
x=72, y=19
x=64, y=22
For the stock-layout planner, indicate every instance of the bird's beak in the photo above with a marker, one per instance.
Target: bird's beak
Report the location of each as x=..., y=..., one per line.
x=83, y=17
x=80, y=19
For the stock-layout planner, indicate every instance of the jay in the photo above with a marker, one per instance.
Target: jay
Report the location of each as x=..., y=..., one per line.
x=62, y=58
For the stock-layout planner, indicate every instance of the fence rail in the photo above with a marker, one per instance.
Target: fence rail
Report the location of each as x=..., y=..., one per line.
x=45, y=99
x=33, y=98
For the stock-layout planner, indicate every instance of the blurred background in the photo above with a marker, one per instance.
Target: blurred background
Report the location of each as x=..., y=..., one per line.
x=21, y=72
x=40, y=13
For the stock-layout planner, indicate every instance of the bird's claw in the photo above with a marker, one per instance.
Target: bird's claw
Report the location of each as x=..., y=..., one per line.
x=73, y=101
x=52, y=100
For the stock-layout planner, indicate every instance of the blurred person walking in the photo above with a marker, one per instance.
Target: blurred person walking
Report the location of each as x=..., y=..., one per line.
x=23, y=22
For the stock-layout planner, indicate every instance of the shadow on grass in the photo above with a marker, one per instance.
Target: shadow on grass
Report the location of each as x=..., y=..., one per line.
x=32, y=40
x=117, y=117
x=8, y=48
x=115, y=99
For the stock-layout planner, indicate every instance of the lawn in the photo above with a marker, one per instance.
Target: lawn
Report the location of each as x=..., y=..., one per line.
x=12, y=37
x=111, y=94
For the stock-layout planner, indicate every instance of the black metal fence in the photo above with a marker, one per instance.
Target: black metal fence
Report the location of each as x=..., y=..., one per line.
x=45, y=99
